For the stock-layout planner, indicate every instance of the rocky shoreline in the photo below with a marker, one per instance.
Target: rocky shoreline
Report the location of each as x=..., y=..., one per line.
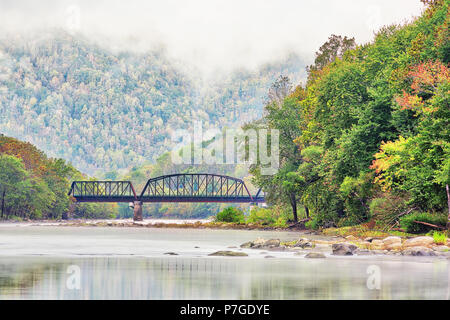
x=424, y=246
x=157, y=223
x=418, y=246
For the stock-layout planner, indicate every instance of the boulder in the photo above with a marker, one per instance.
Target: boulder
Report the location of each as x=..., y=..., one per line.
x=377, y=245
x=229, y=254
x=272, y=243
x=392, y=243
x=368, y=239
x=315, y=255
x=391, y=240
x=418, y=242
x=380, y=251
x=171, y=253
x=303, y=243
x=393, y=253
x=441, y=249
x=273, y=248
x=418, y=251
x=258, y=243
x=351, y=238
x=364, y=244
x=248, y=244
x=343, y=249
x=394, y=246
x=363, y=252
x=269, y=257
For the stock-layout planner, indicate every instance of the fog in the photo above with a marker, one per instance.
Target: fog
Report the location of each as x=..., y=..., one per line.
x=210, y=34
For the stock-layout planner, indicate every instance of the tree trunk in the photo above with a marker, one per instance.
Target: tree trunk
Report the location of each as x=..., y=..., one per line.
x=307, y=212
x=3, y=202
x=294, y=208
x=448, y=204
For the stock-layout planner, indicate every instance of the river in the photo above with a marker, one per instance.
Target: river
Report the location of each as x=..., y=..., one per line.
x=61, y=262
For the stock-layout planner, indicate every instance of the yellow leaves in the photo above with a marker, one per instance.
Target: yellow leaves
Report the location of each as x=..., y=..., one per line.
x=417, y=47
x=388, y=164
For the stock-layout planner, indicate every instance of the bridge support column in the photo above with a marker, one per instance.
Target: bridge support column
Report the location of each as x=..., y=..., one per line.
x=137, y=211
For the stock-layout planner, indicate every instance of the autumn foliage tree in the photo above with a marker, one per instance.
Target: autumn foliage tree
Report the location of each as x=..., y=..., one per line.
x=373, y=125
x=33, y=186
x=420, y=164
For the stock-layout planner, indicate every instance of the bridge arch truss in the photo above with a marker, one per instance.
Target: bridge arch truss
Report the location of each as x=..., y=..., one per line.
x=186, y=187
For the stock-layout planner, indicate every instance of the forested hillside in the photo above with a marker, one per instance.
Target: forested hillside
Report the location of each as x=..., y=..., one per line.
x=106, y=110
x=367, y=138
x=33, y=186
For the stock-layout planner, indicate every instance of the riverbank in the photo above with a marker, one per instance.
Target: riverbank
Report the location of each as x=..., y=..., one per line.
x=153, y=223
x=307, y=243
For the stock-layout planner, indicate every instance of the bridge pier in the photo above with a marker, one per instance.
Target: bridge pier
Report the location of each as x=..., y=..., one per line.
x=137, y=211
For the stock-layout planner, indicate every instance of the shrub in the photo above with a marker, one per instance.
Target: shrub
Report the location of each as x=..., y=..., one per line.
x=262, y=216
x=349, y=221
x=281, y=223
x=440, y=237
x=231, y=214
x=386, y=208
x=408, y=224
x=312, y=224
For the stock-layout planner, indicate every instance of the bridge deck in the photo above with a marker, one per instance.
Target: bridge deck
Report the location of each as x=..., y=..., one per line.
x=169, y=199
x=201, y=187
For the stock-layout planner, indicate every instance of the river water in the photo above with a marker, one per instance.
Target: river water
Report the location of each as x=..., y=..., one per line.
x=54, y=262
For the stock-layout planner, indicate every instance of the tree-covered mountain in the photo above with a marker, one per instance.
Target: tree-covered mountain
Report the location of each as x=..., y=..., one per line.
x=106, y=110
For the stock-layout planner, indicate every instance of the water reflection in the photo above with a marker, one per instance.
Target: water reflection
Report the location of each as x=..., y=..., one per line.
x=220, y=278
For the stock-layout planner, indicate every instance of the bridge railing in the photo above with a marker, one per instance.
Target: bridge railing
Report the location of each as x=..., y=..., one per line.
x=102, y=189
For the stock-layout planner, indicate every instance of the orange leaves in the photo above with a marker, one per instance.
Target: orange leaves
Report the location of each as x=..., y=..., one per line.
x=426, y=77
x=32, y=158
x=407, y=101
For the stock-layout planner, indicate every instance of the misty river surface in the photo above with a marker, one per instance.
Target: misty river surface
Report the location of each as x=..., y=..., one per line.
x=38, y=262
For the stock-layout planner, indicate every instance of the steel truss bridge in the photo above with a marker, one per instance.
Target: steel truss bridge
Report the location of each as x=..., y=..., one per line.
x=186, y=187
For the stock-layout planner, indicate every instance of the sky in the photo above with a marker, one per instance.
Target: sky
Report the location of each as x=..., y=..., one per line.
x=211, y=34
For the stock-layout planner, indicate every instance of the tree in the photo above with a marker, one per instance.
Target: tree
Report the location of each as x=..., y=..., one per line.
x=419, y=164
x=12, y=175
x=282, y=113
x=334, y=48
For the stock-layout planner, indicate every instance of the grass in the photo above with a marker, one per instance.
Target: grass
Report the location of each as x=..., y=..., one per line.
x=362, y=231
x=440, y=238
x=289, y=243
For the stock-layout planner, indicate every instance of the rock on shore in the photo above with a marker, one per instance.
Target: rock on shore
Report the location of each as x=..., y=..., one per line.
x=343, y=249
x=262, y=244
x=419, y=251
x=315, y=255
x=229, y=254
x=418, y=242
